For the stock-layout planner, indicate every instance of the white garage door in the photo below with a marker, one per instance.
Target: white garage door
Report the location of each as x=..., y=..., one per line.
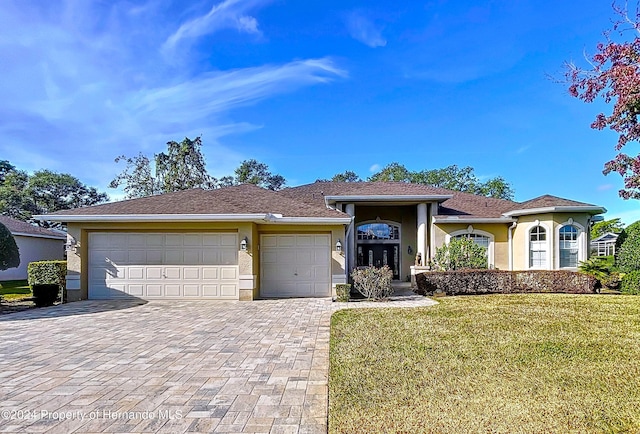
x=163, y=265
x=295, y=265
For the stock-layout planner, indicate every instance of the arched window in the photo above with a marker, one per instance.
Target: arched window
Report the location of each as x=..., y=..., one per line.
x=481, y=240
x=538, y=247
x=568, y=244
x=378, y=231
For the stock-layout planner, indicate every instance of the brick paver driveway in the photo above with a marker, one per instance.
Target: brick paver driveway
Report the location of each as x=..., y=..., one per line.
x=166, y=367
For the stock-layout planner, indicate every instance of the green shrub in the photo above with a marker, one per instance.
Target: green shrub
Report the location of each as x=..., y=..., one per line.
x=631, y=283
x=373, y=283
x=47, y=280
x=9, y=253
x=459, y=254
x=343, y=291
x=628, y=249
x=505, y=282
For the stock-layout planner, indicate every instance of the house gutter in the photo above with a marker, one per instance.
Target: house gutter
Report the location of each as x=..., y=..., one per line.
x=551, y=209
x=51, y=237
x=456, y=219
x=510, y=241
x=256, y=218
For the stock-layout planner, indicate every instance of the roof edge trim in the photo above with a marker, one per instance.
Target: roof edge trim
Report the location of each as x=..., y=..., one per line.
x=590, y=209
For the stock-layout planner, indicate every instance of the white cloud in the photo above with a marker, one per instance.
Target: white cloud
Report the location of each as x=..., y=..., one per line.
x=374, y=168
x=85, y=85
x=605, y=187
x=228, y=14
x=522, y=149
x=363, y=29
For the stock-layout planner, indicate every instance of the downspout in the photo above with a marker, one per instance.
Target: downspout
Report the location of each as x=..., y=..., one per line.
x=511, y=228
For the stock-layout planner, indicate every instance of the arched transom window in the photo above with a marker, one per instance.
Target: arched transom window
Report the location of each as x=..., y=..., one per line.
x=378, y=231
x=481, y=240
x=538, y=247
x=568, y=246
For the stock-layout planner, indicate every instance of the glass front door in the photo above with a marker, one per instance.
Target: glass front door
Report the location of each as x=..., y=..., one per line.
x=379, y=255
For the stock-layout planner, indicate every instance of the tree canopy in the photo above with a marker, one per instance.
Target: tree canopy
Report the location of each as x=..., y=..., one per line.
x=9, y=253
x=346, y=176
x=600, y=228
x=183, y=167
x=450, y=177
x=614, y=75
x=45, y=191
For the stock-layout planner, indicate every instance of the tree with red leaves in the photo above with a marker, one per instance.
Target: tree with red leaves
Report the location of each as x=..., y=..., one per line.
x=615, y=76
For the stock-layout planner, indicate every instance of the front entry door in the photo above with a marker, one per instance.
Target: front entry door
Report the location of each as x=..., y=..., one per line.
x=378, y=255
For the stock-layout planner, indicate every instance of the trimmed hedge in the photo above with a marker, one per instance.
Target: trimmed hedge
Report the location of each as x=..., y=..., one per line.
x=504, y=282
x=343, y=291
x=47, y=280
x=631, y=283
x=628, y=249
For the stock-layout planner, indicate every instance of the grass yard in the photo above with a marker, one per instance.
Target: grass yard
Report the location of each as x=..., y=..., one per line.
x=494, y=363
x=13, y=290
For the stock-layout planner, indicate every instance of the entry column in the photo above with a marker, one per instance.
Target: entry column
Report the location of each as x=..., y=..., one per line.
x=351, y=240
x=422, y=232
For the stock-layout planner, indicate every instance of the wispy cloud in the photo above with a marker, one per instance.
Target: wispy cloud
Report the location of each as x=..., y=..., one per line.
x=374, y=168
x=605, y=187
x=363, y=29
x=228, y=14
x=522, y=149
x=87, y=82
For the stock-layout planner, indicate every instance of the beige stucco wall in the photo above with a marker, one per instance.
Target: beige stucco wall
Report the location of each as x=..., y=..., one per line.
x=33, y=249
x=248, y=261
x=406, y=217
x=500, y=232
x=552, y=222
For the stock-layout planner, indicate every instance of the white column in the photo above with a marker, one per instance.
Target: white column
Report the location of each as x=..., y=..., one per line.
x=350, y=242
x=422, y=232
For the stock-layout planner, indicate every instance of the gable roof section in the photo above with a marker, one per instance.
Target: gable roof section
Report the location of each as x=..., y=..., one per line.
x=244, y=202
x=549, y=203
x=17, y=227
x=454, y=206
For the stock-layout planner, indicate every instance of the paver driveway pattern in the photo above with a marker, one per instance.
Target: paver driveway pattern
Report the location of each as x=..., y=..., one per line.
x=173, y=367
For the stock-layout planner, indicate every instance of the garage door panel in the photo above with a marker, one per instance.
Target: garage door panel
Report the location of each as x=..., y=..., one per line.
x=173, y=240
x=228, y=273
x=155, y=257
x=172, y=273
x=228, y=257
x=136, y=257
x=191, y=290
x=305, y=241
x=191, y=257
x=172, y=290
x=135, y=290
x=153, y=290
x=228, y=240
x=136, y=273
x=269, y=241
x=192, y=273
x=322, y=241
x=210, y=291
x=304, y=257
x=228, y=290
x=211, y=240
x=210, y=257
x=174, y=257
x=154, y=273
x=210, y=273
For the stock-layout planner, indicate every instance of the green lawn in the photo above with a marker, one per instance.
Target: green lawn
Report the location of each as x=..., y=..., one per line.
x=492, y=363
x=14, y=290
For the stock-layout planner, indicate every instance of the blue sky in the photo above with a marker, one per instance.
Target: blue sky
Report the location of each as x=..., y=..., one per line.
x=311, y=88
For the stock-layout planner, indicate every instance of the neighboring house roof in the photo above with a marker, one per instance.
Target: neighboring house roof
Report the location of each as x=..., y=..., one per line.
x=312, y=203
x=609, y=236
x=244, y=202
x=17, y=227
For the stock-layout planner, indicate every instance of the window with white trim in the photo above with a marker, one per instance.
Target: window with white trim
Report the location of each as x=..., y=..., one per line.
x=568, y=243
x=481, y=240
x=378, y=231
x=538, y=247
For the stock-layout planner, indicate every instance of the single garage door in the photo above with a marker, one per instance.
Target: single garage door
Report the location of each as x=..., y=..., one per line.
x=163, y=265
x=295, y=265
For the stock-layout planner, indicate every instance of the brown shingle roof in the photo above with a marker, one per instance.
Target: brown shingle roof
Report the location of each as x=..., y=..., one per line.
x=461, y=204
x=241, y=199
x=548, y=201
x=20, y=227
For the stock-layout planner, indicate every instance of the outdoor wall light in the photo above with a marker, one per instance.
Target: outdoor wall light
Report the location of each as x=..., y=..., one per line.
x=71, y=245
x=243, y=244
x=338, y=246
x=410, y=250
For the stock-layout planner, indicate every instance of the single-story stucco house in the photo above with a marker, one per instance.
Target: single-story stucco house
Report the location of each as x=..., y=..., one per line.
x=34, y=244
x=245, y=242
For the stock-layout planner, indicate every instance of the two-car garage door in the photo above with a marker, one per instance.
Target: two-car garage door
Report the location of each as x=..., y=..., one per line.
x=163, y=265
